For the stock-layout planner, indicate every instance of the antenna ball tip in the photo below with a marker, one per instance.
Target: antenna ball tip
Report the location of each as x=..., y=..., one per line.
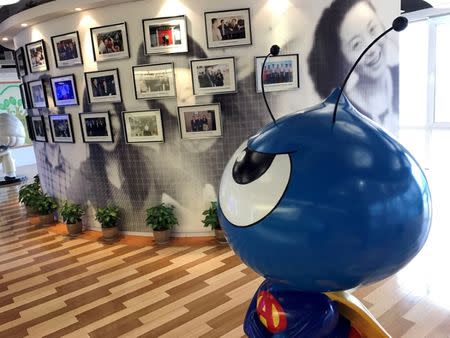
x=275, y=50
x=400, y=23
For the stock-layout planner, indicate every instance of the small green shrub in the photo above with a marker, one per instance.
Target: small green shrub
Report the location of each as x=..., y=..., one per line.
x=28, y=194
x=161, y=217
x=45, y=204
x=211, y=219
x=71, y=212
x=108, y=217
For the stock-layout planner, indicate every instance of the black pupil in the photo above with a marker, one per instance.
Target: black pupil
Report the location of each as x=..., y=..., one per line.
x=252, y=166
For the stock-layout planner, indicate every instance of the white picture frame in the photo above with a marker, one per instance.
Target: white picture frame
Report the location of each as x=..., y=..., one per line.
x=103, y=86
x=110, y=42
x=165, y=35
x=284, y=76
x=143, y=126
x=200, y=121
x=205, y=76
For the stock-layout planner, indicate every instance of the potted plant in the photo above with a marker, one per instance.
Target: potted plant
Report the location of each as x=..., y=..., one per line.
x=211, y=220
x=28, y=195
x=161, y=219
x=108, y=218
x=45, y=207
x=71, y=214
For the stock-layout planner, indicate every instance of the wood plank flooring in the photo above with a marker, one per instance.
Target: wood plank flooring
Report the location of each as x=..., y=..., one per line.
x=54, y=286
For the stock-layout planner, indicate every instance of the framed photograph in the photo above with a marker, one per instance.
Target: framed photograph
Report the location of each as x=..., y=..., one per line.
x=39, y=130
x=200, y=121
x=37, y=56
x=110, y=42
x=61, y=128
x=213, y=76
x=24, y=96
x=154, y=81
x=67, y=50
x=64, y=90
x=30, y=127
x=37, y=94
x=143, y=126
x=96, y=127
x=228, y=28
x=165, y=35
x=21, y=64
x=103, y=86
x=280, y=73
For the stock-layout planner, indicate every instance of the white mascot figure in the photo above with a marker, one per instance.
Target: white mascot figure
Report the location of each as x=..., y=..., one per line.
x=12, y=134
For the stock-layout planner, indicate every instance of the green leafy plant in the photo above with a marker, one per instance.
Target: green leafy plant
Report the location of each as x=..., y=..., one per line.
x=108, y=217
x=28, y=194
x=161, y=217
x=211, y=219
x=71, y=212
x=45, y=204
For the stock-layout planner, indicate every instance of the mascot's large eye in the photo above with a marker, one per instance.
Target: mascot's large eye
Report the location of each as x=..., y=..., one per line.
x=252, y=185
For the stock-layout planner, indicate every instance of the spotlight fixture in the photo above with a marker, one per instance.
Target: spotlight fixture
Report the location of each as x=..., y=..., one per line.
x=78, y=9
x=24, y=25
x=8, y=2
x=5, y=39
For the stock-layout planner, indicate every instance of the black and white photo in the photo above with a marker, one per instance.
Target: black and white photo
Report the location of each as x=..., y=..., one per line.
x=165, y=35
x=67, y=50
x=39, y=129
x=61, y=128
x=21, y=64
x=96, y=127
x=64, y=90
x=280, y=73
x=154, y=81
x=200, y=121
x=37, y=56
x=143, y=126
x=228, y=28
x=110, y=42
x=38, y=94
x=103, y=86
x=213, y=76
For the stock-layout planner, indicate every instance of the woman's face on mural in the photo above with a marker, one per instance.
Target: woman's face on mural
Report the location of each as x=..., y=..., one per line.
x=359, y=28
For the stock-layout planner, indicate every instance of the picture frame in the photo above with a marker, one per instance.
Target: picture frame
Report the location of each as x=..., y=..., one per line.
x=37, y=56
x=61, y=128
x=39, y=129
x=21, y=63
x=67, y=50
x=103, y=86
x=154, y=81
x=38, y=95
x=200, y=121
x=96, y=127
x=24, y=96
x=29, y=127
x=165, y=35
x=228, y=28
x=110, y=42
x=213, y=76
x=143, y=126
x=64, y=90
x=280, y=72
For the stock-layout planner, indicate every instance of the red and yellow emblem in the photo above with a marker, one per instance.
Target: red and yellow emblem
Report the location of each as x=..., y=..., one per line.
x=270, y=312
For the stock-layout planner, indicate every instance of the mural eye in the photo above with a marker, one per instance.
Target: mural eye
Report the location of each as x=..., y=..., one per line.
x=252, y=185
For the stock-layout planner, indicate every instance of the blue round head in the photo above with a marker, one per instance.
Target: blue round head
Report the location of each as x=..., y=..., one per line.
x=324, y=207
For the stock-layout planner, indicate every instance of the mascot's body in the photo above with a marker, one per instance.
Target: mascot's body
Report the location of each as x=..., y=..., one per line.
x=12, y=134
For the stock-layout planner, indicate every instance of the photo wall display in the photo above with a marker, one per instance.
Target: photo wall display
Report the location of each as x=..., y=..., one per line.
x=38, y=94
x=213, y=76
x=110, y=42
x=103, y=86
x=39, y=129
x=21, y=64
x=64, y=90
x=165, y=35
x=61, y=128
x=96, y=127
x=37, y=56
x=200, y=121
x=67, y=50
x=154, y=81
x=143, y=126
x=280, y=73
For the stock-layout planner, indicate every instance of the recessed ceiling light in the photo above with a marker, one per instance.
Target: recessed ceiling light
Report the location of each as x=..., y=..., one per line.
x=78, y=9
x=5, y=39
x=24, y=25
x=8, y=2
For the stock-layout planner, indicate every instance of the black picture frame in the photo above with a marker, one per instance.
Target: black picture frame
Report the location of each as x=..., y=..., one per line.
x=39, y=138
x=172, y=93
x=40, y=68
x=280, y=86
x=96, y=139
x=164, y=21
x=229, y=42
x=143, y=138
x=58, y=139
x=69, y=102
x=67, y=63
x=32, y=98
x=30, y=129
x=97, y=56
x=24, y=96
x=106, y=98
x=213, y=89
x=21, y=63
x=202, y=133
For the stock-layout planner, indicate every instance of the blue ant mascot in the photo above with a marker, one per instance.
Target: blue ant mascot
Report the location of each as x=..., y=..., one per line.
x=320, y=201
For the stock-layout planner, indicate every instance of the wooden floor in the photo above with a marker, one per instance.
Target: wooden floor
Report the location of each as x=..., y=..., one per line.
x=53, y=286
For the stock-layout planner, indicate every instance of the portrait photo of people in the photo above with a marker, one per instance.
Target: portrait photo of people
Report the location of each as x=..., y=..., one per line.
x=37, y=56
x=61, y=128
x=213, y=76
x=165, y=35
x=64, y=90
x=200, y=121
x=103, y=86
x=96, y=126
x=279, y=73
x=143, y=126
x=110, y=42
x=39, y=131
x=228, y=28
x=154, y=81
x=67, y=49
x=37, y=94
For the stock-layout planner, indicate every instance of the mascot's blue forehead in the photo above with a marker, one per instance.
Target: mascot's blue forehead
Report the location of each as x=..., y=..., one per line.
x=335, y=206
